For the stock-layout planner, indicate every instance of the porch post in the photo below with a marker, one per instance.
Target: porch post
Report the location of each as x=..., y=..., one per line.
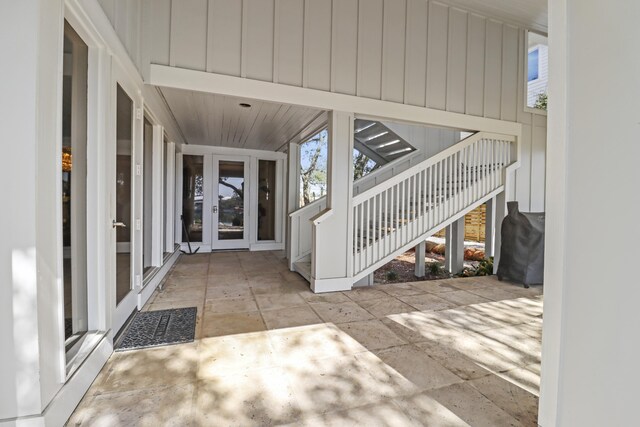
x=489, y=228
x=332, y=237
x=500, y=213
x=454, y=247
x=419, y=258
x=293, y=194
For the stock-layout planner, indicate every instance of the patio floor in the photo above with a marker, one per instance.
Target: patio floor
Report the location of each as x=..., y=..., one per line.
x=270, y=352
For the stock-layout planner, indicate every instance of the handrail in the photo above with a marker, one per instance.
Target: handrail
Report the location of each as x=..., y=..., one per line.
x=308, y=206
x=471, y=139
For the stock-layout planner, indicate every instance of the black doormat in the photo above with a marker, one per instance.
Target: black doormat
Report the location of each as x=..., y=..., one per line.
x=156, y=328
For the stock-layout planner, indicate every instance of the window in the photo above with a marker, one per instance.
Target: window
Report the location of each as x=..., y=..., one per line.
x=192, y=197
x=537, y=71
x=74, y=188
x=533, y=65
x=266, y=200
x=313, y=168
x=362, y=165
x=147, y=192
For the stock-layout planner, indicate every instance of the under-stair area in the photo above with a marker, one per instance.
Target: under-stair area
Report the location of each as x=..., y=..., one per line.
x=404, y=210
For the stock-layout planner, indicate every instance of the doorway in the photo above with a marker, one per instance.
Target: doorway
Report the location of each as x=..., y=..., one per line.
x=229, y=210
x=123, y=189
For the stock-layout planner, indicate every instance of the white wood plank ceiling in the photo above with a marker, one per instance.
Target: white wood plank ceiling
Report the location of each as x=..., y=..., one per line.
x=216, y=120
x=530, y=14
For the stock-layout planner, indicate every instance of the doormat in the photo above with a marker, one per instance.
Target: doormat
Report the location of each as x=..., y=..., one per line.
x=161, y=327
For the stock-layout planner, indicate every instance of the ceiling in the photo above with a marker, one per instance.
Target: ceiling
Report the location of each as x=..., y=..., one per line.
x=217, y=120
x=531, y=14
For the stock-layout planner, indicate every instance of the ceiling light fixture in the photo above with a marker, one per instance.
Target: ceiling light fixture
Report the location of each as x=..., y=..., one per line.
x=245, y=105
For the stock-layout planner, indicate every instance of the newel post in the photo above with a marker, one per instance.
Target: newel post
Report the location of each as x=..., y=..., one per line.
x=331, y=268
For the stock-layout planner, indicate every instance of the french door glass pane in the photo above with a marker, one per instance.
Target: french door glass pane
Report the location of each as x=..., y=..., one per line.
x=231, y=200
x=266, y=200
x=147, y=190
x=192, y=197
x=124, y=126
x=74, y=186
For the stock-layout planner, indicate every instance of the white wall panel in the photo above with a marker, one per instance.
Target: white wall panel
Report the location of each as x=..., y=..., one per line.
x=370, y=49
x=493, y=70
x=538, y=163
x=474, y=95
x=317, y=44
x=158, y=18
x=393, y=50
x=188, y=47
x=344, y=46
x=289, y=19
x=437, y=56
x=224, y=37
x=510, y=57
x=456, y=60
x=257, y=39
x=416, y=53
x=109, y=8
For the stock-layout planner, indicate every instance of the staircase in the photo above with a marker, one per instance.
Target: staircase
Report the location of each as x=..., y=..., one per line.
x=404, y=210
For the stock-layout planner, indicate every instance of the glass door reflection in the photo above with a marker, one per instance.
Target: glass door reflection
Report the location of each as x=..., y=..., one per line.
x=124, y=126
x=229, y=210
x=231, y=200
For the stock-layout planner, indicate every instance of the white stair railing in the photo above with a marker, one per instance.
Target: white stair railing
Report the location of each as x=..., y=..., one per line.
x=396, y=214
x=301, y=229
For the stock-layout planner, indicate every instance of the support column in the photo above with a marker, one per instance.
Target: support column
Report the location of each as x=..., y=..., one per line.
x=331, y=261
x=420, y=253
x=489, y=228
x=293, y=194
x=500, y=213
x=454, y=247
x=32, y=354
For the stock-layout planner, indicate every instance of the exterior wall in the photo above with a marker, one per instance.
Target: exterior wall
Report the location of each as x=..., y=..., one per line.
x=28, y=264
x=36, y=388
x=415, y=52
x=125, y=17
x=590, y=336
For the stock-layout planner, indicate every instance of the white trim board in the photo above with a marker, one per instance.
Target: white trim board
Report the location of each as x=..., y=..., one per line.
x=201, y=81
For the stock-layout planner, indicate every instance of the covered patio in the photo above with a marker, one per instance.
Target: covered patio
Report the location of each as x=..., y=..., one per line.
x=268, y=351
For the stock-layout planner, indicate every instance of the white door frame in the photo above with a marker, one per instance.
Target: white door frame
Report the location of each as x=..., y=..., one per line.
x=124, y=309
x=216, y=243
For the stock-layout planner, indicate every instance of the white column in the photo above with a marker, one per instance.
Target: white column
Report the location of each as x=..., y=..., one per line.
x=293, y=195
x=170, y=200
x=331, y=268
x=31, y=325
x=420, y=253
x=500, y=213
x=454, y=247
x=590, y=332
x=489, y=228
x=157, y=192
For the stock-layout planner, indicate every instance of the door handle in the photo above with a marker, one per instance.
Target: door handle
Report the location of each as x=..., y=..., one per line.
x=214, y=209
x=115, y=224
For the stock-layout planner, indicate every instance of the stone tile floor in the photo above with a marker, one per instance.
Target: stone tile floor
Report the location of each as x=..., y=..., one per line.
x=270, y=352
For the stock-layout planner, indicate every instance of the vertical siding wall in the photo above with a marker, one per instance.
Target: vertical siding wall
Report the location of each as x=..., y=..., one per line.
x=126, y=18
x=415, y=52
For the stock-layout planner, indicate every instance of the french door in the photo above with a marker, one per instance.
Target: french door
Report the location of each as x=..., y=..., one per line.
x=230, y=202
x=124, y=171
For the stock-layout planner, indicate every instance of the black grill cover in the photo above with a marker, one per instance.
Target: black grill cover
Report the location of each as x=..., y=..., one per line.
x=522, y=251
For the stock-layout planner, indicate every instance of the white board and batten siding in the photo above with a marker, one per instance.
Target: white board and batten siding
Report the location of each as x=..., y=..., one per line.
x=416, y=52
